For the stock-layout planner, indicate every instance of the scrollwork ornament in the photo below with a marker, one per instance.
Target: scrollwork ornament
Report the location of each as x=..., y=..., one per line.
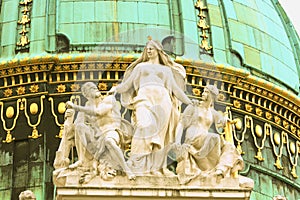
x=9, y=137
x=239, y=147
x=76, y=100
x=295, y=159
x=34, y=134
x=279, y=153
x=258, y=156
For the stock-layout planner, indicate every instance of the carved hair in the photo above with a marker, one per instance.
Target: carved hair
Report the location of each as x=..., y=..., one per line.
x=27, y=195
x=85, y=87
x=164, y=58
x=214, y=91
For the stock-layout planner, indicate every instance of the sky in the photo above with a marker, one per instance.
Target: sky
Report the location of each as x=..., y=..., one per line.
x=291, y=8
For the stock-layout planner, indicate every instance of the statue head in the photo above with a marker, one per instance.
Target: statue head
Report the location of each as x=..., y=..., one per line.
x=27, y=195
x=214, y=91
x=89, y=89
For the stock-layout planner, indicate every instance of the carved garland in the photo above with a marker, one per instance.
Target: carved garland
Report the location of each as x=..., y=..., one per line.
x=203, y=26
x=22, y=45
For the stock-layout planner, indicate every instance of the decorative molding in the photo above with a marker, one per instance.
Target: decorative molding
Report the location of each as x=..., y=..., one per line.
x=22, y=44
x=203, y=26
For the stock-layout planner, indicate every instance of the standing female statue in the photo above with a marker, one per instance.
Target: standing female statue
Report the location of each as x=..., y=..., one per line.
x=153, y=88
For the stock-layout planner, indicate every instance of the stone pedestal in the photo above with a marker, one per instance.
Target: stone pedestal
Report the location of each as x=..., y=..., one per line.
x=152, y=188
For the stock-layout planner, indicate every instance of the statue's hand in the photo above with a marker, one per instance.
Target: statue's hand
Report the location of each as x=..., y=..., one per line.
x=195, y=102
x=69, y=104
x=112, y=91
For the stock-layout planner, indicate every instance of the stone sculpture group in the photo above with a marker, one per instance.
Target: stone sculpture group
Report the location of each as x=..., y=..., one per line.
x=153, y=88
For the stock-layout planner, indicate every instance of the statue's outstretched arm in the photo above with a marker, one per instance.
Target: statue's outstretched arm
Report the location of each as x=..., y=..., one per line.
x=101, y=110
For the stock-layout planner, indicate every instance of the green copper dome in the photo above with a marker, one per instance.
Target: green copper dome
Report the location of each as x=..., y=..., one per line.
x=258, y=36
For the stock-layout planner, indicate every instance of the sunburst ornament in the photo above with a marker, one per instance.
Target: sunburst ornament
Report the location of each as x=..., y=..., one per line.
x=102, y=86
x=21, y=90
x=8, y=92
x=75, y=87
x=34, y=88
x=61, y=88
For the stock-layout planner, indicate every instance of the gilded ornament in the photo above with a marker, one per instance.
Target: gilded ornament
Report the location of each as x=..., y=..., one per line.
x=57, y=68
x=116, y=66
x=293, y=147
x=293, y=129
x=34, y=108
x=277, y=138
x=27, y=69
x=21, y=90
x=258, y=90
x=278, y=164
x=196, y=91
x=221, y=97
x=124, y=66
x=43, y=67
x=269, y=115
x=100, y=65
x=10, y=71
x=298, y=132
x=61, y=88
x=75, y=87
x=258, y=156
x=3, y=72
x=8, y=138
x=258, y=131
x=189, y=70
x=34, y=88
x=108, y=65
x=258, y=111
x=66, y=67
x=200, y=5
x=61, y=108
x=293, y=172
x=102, y=86
x=19, y=70
x=270, y=95
x=237, y=103
x=285, y=124
x=238, y=124
x=91, y=66
x=74, y=67
x=10, y=112
x=82, y=66
x=277, y=120
x=35, y=68
x=281, y=100
x=264, y=93
x=248, y=107
x=8, y=92
x=35, y=134
x=24, y=20
x=23, y=40
x=252, y=88
x=25, y=2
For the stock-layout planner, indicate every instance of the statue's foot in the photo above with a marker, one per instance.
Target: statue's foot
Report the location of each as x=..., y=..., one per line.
x=156, y=173
x=131, y=176
x=168, y=173
x=219, y=175
x=75, y=165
